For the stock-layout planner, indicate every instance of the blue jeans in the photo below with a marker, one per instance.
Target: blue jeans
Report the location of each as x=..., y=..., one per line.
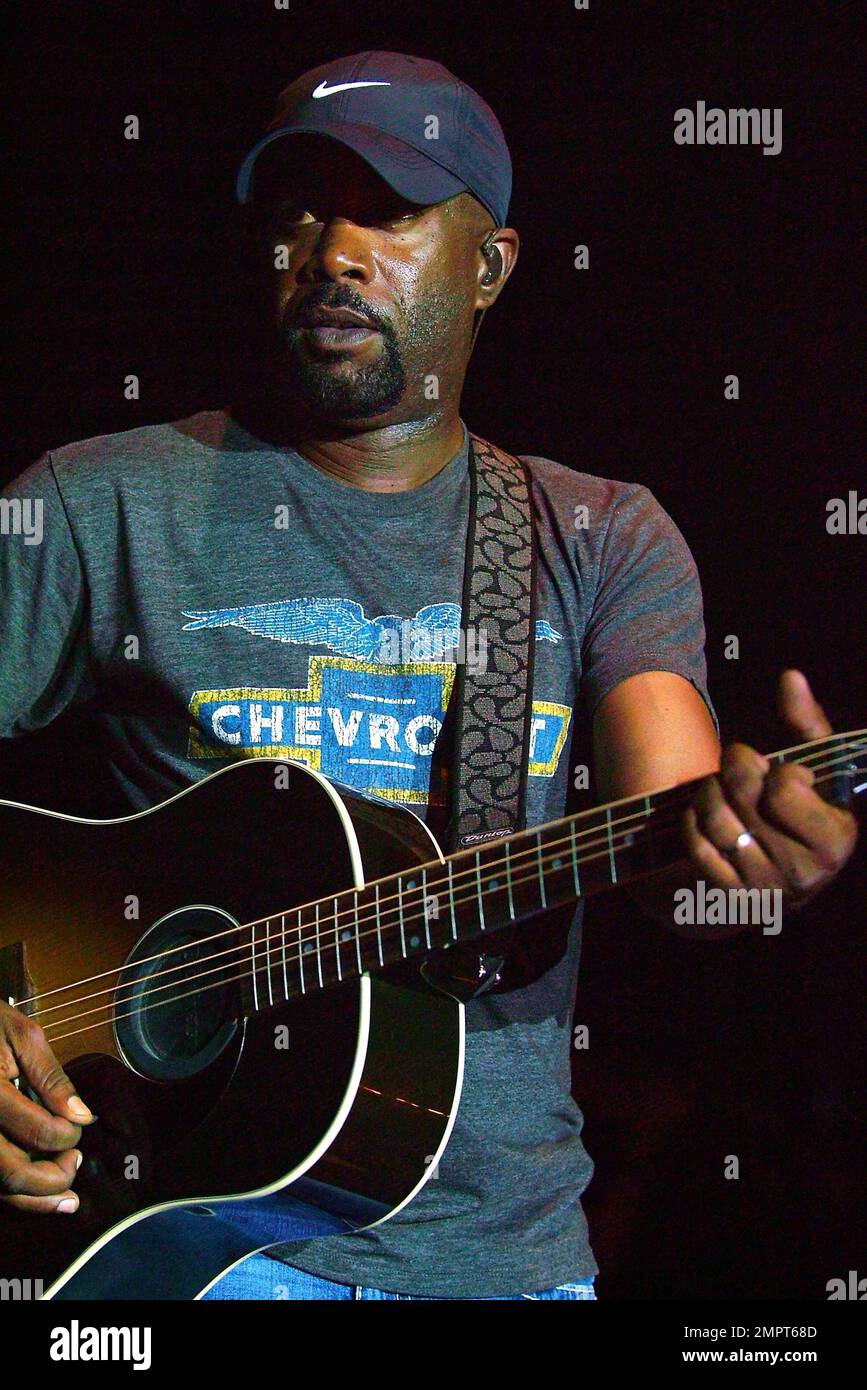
x=280, y=1218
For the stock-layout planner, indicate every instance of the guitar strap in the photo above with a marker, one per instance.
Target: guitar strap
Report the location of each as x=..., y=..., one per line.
x=488, y=784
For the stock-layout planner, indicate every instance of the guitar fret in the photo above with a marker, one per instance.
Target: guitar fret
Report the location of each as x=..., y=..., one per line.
x=575, y=859
x=337, y=939
x=268, y=960
x=253, y=967
x=400, y=914
x=611, y=858
x=318, y=950
x=301, y=953
x=509, y=880
x=479, y=892
x=425, y=907
x=357, y=933
x=414, y=940
x=541, y=870
x=452, y=901
x=378, y=927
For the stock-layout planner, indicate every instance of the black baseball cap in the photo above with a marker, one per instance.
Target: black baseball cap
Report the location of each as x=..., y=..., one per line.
x=426, y=133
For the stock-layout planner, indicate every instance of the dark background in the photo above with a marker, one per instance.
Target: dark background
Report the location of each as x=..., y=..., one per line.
x=704, y=261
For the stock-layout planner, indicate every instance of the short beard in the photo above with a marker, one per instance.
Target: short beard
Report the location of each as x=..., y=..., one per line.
x=369, y=391
x=374, y=389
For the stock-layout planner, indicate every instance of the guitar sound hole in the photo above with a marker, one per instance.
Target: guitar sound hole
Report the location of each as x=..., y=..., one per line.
x=176, y=1004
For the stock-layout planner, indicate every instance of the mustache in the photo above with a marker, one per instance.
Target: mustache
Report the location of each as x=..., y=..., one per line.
x=334, y=297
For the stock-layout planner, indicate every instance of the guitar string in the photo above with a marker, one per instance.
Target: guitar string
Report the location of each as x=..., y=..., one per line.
x=217, y=984
x=261, y=968
x=334, y=918
x=232, y=978
x=328, y=927
x=661, y=820
x=435, y=864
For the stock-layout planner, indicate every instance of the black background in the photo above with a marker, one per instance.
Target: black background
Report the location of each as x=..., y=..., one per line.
x=704, y=261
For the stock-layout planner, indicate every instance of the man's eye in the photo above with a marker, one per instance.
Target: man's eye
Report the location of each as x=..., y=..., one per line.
x=398, y=219
x=285, y=218
x=287, y=215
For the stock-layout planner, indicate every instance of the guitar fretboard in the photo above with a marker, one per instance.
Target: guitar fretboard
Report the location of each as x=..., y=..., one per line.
x=477, y=891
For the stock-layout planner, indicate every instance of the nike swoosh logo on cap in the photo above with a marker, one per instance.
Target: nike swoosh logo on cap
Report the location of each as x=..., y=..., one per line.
x=323, y=90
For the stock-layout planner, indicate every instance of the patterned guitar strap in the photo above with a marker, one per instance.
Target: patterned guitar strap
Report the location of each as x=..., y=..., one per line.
x=488, y=784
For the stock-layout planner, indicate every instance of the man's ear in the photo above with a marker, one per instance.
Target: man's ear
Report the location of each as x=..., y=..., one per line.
x=497, y=268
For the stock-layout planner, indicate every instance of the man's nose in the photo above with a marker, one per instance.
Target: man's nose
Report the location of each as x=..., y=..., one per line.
x=340, y=251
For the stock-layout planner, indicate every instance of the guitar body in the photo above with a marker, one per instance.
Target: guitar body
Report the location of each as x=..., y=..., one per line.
x=345, y=1095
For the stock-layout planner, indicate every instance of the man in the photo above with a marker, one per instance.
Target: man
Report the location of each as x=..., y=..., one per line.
x=239, y=547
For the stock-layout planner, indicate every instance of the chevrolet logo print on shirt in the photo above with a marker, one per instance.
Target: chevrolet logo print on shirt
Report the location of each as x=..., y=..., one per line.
x=369, y=717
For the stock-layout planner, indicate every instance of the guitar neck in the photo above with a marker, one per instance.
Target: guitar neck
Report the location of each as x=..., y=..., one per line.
x=502, y=882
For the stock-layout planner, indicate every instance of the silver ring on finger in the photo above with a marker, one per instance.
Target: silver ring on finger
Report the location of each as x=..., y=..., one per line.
x=744, y=840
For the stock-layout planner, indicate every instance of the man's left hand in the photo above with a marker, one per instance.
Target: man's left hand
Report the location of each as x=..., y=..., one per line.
x=755, y=824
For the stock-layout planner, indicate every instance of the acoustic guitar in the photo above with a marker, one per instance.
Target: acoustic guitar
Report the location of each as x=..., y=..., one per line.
x=259, y=987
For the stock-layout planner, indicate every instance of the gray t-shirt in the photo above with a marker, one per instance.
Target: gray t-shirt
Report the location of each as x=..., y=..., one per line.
x=265, y=598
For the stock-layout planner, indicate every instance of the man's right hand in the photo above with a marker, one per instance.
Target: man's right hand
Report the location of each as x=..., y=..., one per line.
x=29, y=1130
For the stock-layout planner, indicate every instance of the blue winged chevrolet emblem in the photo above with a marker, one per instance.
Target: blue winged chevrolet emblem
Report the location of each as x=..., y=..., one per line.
x=340, y=624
